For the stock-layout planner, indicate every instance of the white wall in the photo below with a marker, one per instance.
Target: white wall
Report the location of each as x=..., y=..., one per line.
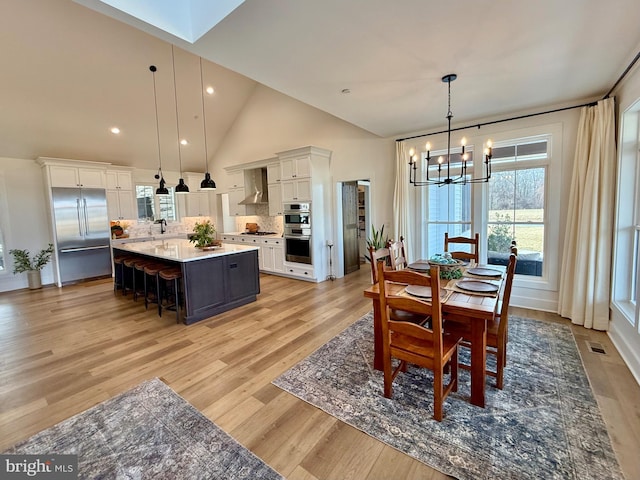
x=27, y=225
x=272, y=123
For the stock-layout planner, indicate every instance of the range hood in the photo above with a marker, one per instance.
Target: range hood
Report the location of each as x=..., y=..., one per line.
x=256, y=184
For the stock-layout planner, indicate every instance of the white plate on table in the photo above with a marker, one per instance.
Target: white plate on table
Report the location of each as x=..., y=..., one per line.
x=484, y=272
x=478, y=287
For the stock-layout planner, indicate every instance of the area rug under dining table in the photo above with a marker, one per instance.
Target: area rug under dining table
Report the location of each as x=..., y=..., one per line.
x=545, y=423
x=148, y=432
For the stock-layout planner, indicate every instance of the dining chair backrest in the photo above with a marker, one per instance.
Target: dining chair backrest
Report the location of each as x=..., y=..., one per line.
x=514, y=248
x=397, y=255
x=379, y=255
x=463, y=255
x=506, y=296
x=404, y=335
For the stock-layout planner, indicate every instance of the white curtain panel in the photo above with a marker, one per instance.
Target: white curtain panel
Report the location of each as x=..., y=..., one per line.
x=585, y=277
x=402, y=209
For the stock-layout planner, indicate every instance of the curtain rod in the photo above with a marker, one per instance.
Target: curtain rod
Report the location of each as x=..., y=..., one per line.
x=624, y=74
x=478, y=125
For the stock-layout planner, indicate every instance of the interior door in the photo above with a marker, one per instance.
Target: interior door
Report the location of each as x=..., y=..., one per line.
x=350, y=227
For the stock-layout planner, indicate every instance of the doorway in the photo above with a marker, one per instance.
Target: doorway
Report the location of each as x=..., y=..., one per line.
x=355, y=223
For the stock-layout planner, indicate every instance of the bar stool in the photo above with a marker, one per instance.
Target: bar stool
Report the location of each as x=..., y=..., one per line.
x=139, y=265
x=171, y=274
x=152, y=269
x=118, y=268
x=128, y=270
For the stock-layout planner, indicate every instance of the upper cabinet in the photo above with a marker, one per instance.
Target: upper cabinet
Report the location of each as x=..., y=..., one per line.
x=119, y=180
x=295, y=167
x=236, y=179
x=67, y=176
x=273, y=173
x=120, y=195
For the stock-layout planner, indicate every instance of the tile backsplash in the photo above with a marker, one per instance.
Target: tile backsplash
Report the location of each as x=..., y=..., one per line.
x=137, y=229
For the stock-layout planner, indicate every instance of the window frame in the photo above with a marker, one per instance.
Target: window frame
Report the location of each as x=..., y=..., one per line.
x=625, y=288
x=553, y=196
x=156, y=203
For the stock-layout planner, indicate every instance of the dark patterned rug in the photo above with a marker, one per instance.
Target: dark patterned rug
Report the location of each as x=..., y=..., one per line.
x=544, y=424
x=148, y=432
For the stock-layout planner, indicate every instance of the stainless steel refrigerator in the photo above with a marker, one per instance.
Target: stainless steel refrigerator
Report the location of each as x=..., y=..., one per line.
x=82, y=231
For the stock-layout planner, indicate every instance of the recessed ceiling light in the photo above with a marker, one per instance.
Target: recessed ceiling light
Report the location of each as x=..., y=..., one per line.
x=115, y=130
x=184, y=142
x=210, y=90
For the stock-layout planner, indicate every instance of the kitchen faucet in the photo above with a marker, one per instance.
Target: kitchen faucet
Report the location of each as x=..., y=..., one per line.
x=163, y=225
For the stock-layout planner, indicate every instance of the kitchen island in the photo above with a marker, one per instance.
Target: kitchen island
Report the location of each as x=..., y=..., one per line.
x=213, y=281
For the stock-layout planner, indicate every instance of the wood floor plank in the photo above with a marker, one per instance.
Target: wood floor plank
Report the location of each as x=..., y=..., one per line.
x=63, y=350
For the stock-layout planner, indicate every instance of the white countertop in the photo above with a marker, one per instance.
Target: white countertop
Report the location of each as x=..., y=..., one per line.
x=241, y=234
x=180, y=250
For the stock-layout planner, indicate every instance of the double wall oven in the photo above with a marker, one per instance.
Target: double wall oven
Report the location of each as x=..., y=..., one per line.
x=297, y=232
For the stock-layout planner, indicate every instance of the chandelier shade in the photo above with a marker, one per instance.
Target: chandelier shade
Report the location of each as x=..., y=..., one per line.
x=452, y=168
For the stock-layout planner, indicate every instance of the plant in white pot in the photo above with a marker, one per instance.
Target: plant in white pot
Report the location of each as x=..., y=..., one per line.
x=22, y=262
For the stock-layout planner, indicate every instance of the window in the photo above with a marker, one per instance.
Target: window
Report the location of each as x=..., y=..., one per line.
x=516, y=205
x=155, y=207
x=626, y=263
x=513, y=205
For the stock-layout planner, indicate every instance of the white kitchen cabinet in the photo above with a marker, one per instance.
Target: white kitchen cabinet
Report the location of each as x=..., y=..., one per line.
x=68, y=176
x=296, y=190
x=272, y=254
x=273, y=173
x=236, y=195
x=119, y=180
x=198, y=204
x=295, y=167
x=236, y=179
x=275, y=199
x=120, y=197
x=298, y=270
x=120, y=205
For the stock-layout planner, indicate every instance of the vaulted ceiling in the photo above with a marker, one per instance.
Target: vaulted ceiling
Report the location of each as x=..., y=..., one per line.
x=70, y=72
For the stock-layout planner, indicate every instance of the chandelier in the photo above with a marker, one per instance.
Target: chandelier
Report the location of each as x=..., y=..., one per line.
x=442, y=164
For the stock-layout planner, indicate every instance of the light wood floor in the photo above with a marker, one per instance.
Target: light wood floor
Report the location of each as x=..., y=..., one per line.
x=65, y=350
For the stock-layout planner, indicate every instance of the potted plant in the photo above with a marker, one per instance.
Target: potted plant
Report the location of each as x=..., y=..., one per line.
x=22, y=262
x=204, y=235
x=377, y=240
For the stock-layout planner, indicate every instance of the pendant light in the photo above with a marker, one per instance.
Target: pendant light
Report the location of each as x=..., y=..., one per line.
x=452, y=161
x=162, y=189
x=207, y=183
x=181, y=187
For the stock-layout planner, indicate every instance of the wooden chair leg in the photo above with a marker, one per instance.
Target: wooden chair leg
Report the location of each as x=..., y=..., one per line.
x=438, y=393
x=454, y=371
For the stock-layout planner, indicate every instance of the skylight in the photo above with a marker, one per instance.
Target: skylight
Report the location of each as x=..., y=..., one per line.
x=185, y=19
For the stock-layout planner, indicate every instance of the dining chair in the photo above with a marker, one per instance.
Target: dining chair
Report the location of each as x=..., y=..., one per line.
x=459, y=254
x=397, y=255
x=430, y=348
x=380, y=256
x=497, y=328
x=377, y=255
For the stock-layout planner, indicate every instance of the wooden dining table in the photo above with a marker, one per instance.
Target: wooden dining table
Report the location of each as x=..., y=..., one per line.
x=466, y=308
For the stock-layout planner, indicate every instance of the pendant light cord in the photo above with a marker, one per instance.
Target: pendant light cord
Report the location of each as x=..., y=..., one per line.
x=204, y=120
x=155, y=99
x=175, y=96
